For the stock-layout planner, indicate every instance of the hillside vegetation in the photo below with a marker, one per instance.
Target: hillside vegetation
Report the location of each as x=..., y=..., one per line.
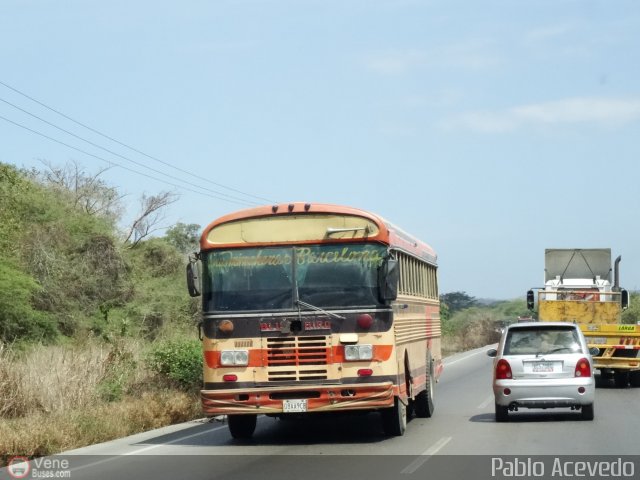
x=93, y=316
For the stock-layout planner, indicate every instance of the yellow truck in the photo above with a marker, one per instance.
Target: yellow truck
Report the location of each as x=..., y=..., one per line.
x=578, y=287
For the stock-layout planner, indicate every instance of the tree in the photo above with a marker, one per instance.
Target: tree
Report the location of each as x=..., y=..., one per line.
x=457, y=301
x=184, y=237
x=151, y=214
x=88, y=192
x=632, y=314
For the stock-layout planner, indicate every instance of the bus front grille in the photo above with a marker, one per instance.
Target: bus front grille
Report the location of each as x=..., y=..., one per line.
x=297, y=358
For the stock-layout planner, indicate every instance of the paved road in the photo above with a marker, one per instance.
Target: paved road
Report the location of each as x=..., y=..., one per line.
x=355, y=447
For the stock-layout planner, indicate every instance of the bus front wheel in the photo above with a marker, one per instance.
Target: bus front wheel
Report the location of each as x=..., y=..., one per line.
x=242, y=426
x=394, y=420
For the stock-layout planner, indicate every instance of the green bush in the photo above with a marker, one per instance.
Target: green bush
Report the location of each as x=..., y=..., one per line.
x=180, y=361
x=18, y=319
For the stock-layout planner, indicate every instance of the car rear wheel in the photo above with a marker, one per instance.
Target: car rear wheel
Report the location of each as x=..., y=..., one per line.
x=502, y=413
x=394, y=420
x=587, y=412
x=242, y=426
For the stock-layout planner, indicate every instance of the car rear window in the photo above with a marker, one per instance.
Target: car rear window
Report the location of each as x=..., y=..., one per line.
x=538, y=340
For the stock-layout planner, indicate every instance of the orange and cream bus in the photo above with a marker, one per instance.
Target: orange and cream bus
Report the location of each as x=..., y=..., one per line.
x=316, y=308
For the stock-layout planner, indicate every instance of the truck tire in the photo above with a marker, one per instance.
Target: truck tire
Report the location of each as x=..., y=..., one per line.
x=502, y=413
x=634, y=378
x=621, y=378
x=394, y=420
x=423, y=404
x=587, y=412
x=242, y=426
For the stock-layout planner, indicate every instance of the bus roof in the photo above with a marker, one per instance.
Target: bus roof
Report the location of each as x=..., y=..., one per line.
x=314, y=223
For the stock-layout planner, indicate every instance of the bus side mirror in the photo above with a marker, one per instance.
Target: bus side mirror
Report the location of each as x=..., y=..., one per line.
x=388, y=276
x=624, y=299
x=530, y=300
x=193, y=278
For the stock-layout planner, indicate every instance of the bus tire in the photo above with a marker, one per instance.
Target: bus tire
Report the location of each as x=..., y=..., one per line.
x=621, y=378
x=242, y=426
x=394, y=419
x=423, y=404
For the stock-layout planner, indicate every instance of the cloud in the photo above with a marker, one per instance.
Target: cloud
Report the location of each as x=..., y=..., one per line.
x=396, y=62
x=551, y=32
x=570, y=111
x=470, y=56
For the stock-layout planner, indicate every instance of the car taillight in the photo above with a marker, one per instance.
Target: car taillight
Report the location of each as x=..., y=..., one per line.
x=583, y=368
x=503, y=370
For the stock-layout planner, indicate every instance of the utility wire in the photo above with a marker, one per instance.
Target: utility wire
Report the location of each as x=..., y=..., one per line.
x=130, y=147
x=110, y=162
x=121, y=156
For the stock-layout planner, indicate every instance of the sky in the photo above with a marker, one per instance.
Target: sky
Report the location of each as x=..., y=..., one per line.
x=489, y=129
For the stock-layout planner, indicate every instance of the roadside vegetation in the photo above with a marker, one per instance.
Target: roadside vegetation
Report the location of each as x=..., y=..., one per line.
x=97, y=333
x=468, y=323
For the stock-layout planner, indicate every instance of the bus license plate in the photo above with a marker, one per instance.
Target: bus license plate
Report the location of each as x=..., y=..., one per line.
x=291, y=406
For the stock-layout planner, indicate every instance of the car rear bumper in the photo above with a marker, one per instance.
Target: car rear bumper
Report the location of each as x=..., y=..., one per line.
x=548, y=393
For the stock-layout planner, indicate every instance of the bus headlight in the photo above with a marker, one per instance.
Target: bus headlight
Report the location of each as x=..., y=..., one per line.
x=234, y=357
x=354, y=353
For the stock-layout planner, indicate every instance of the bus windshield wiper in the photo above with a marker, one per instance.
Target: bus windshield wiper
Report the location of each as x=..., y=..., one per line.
x=300, y=303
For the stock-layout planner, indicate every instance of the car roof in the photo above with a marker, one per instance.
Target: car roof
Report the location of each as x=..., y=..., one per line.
x=542, y=325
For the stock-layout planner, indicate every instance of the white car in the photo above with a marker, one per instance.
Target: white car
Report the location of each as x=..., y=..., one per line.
x=542, y=365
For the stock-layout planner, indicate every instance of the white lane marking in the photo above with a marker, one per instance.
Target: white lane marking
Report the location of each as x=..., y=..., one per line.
x=140, y=450
x=425, y=456
x=486, y=403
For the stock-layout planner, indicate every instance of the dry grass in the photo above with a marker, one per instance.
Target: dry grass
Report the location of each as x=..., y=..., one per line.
x=45, y=434
x=48, y=379
x=473, y=334
x=54, y=398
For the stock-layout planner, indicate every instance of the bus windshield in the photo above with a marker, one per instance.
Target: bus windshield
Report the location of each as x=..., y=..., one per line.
x=336, y=275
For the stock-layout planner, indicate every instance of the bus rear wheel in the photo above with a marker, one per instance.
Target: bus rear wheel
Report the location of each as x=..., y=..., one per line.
x=634, y=378
x=423, y=404
x=242, y=426
x=394, y=420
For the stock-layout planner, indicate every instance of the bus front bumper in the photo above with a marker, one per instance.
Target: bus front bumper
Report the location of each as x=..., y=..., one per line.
x=272, y=400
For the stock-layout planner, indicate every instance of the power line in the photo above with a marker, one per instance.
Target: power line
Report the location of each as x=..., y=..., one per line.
x=110, y=162
x=119, y=155
x=130, y=147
